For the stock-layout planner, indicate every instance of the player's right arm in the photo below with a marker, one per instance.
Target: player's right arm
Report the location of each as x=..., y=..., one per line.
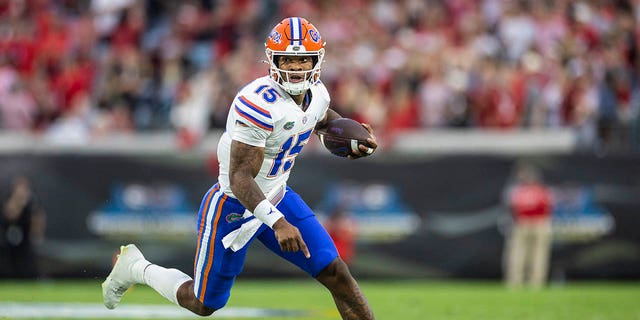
x=244, y=166
x=245, y=163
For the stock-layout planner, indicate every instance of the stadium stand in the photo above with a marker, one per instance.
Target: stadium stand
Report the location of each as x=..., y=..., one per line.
x=75, y=71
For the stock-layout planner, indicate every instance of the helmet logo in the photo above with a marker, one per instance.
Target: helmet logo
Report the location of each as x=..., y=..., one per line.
x=275, y=36
x=315, y=36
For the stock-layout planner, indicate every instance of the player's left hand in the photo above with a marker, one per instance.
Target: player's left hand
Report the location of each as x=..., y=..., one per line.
x=363, y=150
x=289, y=237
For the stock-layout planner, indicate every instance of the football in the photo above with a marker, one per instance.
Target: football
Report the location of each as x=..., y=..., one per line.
x=342, y=136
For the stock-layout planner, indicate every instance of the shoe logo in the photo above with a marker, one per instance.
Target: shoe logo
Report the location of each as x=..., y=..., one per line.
x=233, y=217
x=270, y=211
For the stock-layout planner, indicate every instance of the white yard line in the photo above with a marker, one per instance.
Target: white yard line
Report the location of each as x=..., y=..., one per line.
x=18, y=310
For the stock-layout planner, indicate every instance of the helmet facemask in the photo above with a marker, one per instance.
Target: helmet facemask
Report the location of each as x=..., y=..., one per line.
x=284, y=77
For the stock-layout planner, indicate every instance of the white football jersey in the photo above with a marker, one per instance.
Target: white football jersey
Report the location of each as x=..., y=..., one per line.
x=263, y=115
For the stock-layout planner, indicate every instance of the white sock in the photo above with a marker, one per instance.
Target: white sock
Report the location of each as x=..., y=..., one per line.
x=137, y=270
x=165, y=281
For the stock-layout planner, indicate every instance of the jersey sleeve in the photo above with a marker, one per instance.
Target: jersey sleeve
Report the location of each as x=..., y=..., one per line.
x=253, y=123
x=321, y=99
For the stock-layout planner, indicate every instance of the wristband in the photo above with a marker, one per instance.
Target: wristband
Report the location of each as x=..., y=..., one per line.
x=267, y=213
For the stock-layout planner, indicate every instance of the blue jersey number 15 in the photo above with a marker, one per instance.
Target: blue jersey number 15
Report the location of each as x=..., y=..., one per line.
x=288, y=152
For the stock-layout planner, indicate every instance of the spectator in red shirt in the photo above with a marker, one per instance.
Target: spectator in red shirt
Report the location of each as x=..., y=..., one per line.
x=528, y=245
x=342, y=230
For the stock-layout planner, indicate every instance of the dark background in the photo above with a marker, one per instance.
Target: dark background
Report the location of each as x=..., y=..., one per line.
x=70, y=187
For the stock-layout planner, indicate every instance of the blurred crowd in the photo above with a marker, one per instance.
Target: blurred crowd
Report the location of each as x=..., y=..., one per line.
x=73, y=70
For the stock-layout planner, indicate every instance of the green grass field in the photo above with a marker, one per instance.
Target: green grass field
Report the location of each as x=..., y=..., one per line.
x=391, y=300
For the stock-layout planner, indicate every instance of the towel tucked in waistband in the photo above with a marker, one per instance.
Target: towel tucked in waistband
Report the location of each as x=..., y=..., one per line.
x=238, y=238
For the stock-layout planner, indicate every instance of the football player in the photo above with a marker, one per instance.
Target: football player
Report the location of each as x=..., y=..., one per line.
x=270, y=120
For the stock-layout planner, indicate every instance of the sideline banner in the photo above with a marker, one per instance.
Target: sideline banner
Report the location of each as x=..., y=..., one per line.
x=427, y=216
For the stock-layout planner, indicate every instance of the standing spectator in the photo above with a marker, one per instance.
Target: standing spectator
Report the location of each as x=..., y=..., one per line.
x=342, y=229
x=529, y=245
x=516, y=29
x=580, y=105
x=22, y=224
x=435, y=97
x=17, y=106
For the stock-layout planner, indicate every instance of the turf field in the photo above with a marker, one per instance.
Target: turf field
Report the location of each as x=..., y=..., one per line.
x=306, y=300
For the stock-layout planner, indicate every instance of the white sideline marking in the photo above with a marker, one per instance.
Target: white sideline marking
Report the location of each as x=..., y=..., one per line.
x=15, y=310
